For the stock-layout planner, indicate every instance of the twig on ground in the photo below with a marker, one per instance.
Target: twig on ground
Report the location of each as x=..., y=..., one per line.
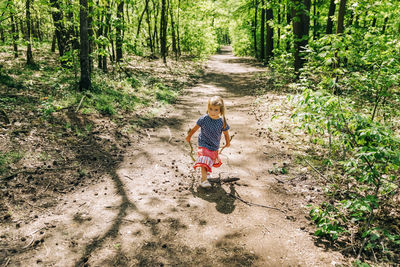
x=47, y=187
x=253, y=204
x=320, y=174
x=7, y=262
x=80, y=103
x=129, y=178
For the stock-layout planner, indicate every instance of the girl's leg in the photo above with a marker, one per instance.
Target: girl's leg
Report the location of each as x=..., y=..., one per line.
x=203, y=174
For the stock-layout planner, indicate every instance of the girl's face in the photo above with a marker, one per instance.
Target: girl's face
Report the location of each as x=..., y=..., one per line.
x=214, y=111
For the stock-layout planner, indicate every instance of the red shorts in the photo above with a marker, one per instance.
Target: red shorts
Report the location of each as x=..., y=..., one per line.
x=207, y=158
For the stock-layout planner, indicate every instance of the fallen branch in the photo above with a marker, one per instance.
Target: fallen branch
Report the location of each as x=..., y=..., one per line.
x=320, y=174
x=253, y=204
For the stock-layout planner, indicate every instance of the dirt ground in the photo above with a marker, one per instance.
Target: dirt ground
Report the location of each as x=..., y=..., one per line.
x=143, y=205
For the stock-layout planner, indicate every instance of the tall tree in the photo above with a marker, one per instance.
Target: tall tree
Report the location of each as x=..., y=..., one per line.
x=301, y=24
x=14, y=31
x=331, y=13
x=85, y=82
x=255, y=2
x=163, y=30
x=262, y=31
x=269, y=47
x=119, y=29
x=342, y=12
x=60, y=31
x=29, y=55
x=173, y=31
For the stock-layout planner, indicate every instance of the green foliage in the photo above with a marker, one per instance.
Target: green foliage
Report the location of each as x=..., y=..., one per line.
x=328, y=221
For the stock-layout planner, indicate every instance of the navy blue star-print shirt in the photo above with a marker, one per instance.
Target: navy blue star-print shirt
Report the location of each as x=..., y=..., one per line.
x=211, y=130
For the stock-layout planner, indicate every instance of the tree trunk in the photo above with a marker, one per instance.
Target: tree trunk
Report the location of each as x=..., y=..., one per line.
x=71, y=38
x=119, y=29
x=53, y=43
x=173, y=32
x=262, y=32
x=177, y=29
x=59, y=28
x=163, y=30
x=140, y=21
x=269, y=35
x=329, y=24
x=373, y=22
x=301, y=23
x=100, y=31
x=85, y=82
x=14, y=33
x=255, y=27
x=150, y=32
x=156, y=40
x=278, y=39
x=288, y=21
x=315, y=26
x=342, y=12
x=90, y=34
x=384, y=25
x=29, y=56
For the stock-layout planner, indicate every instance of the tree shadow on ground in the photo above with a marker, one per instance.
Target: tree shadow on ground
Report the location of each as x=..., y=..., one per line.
x=216, y=194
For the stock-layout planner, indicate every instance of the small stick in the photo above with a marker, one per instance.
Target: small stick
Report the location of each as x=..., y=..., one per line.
x=254, y=204
x=170, y=135
x=225, y=145
x=7, y=262
x=80, y=103
x=316, y=170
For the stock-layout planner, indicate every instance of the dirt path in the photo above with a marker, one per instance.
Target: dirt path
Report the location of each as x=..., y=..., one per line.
x=151, y=212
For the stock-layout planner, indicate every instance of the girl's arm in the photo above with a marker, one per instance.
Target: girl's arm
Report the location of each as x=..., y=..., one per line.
x=191, y=132
x=227, y=139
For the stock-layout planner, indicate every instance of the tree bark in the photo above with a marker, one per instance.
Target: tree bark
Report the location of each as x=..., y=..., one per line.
x=288, y=20
x=173, y=32
x=329, y=24
x=90, y=34
x=140, y=21
x=119, y=29
x=163, y=30
x=301, y=24
x=59, y=28
x=262, y=32
x=29, y=55
x=177, y=29
x=384, y=25
x=278, y=39
x=255, y=27
x=85, y=82
x=53, y=43
x=342, y=12
x=14, y=33
x=269, y=35
x=150, y=32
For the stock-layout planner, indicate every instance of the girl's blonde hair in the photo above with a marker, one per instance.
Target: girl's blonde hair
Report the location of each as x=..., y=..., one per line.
x=219, y=102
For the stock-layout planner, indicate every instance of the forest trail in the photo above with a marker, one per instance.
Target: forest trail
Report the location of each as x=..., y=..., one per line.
x=150, y=211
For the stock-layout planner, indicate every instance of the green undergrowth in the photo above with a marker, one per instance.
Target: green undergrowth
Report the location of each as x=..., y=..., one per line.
x=350, y=109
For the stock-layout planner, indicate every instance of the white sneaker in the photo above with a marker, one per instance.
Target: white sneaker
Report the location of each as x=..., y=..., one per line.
x=205, y=184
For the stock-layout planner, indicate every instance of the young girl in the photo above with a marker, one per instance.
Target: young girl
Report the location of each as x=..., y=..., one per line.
x=212, y=126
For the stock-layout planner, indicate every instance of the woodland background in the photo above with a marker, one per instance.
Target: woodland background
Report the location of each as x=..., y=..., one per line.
x=338, y=60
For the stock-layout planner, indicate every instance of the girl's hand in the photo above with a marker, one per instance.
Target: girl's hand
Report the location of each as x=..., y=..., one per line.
x=188, y=139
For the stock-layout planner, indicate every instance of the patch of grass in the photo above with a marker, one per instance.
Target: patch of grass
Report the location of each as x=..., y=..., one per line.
x=8, y=158
x=164, y=94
